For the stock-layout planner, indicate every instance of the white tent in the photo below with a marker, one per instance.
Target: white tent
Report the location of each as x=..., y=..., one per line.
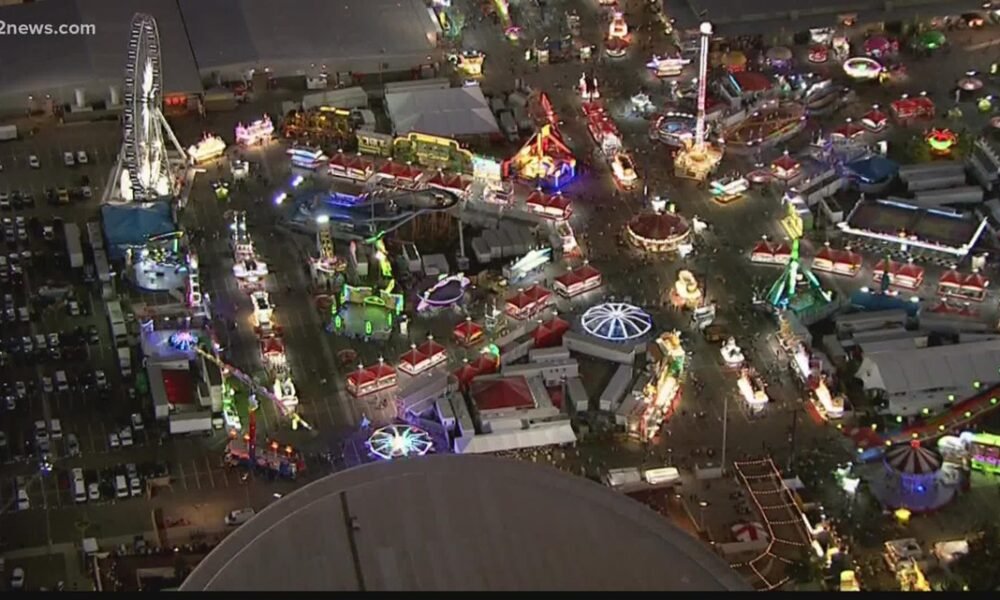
x=451, y=112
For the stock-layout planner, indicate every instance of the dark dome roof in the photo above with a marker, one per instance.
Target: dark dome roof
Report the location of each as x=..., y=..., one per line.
x=453, y=522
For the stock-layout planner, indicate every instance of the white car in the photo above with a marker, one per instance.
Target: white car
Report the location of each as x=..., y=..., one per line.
x=81, y=157
x=137, y=422
x=74, y=308
x=33, y=162
x=113, y=440
x=4, y=201
x=126, y=436
x=100, y=379
x=41, y=432
x=22, y=499
x=93, y=491
x=22, y=391
x=17, y=579
x=134, y=486
x=56, y=428
x=68, y=159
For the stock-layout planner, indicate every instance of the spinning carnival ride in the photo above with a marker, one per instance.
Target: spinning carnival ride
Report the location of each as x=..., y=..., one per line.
x=797, y=288
x=143, y=171
x=617, y=322
x=544, y=161
x=699, y=158
x=398, y=441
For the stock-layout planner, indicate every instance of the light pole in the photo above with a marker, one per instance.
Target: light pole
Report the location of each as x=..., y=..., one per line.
x=725, y=422
x=702, y=506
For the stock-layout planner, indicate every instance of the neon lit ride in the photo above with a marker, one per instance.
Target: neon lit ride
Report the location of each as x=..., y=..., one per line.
x=623, y=170
x=667, y=67
x=659, y=396
x=306, y=157
x=674, y=129
x=258, y=132
x=941, y=141
x=544, y=161
x=399, y=441
x=618, y=40
x=798, y=289
x=732, y=354
x=685, y=293
x=658, y=231
x=862, y=68
x=616, y=322
x=699, y=158
x=729, y=189
x=448, y=291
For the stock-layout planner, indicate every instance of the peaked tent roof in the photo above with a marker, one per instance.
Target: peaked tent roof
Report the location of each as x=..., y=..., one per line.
x=450, y=112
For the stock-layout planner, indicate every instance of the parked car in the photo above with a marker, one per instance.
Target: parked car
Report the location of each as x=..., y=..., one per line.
x=33, y=162
x=68, y=159
x=137, y=422
x=23, y=503
x=81, y=157
x=41, y=432
x=55, y=427
x=239, y=516
x=72, y=445
x=113, y=440
x=125, y=435
x=17, y=575
x=93, y=491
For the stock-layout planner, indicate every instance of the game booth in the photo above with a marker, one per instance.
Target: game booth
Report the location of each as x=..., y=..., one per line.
x=468, y=333
x=908, y=109
x=880, y=46
x=451, y=182
x=819, y=53
x=527, y=303
x=399, y=175
x=839, y=262
x=785, y=168
x=369, y=380
x=941, y=141
x=875, y=120
x=972, y=286
x=578, y=281
x=544, y=161
x=422, y=358
x=752, y=390
x=905, y=275
x=353, y=167
x=768, y=253
x=848, y=132
x=551, y=206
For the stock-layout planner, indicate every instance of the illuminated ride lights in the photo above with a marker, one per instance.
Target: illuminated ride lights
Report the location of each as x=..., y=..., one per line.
x=751, y=390
x=470, y=62
x=545, y=161
x=284, y=390
x=699, y=158
x=667, y=67
x=183, y=341
x=258, y=132
x=768, y=126
x=532, y=262
x=448, y=291
x=941, y=141
x=658, y=230
x=588, y=88
x=616, y=322
x=661, y=393
x=262, y=310
x=618, y=28
x=686, y=293
x=732, y=354
x=729, y=189
x=819, y=54
x=862, y=68
x=623, y=170
x=674, y=129
x=306, y=157
x=399, y=441
x=797, y=288
x=208, y=148
x=602, y=129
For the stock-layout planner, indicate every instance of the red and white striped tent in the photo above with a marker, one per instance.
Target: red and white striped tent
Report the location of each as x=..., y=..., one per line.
x=913, y=459
x=841, y=262
x=749, y=532
x=874, y=120
x=847, y=132
x=450, y=182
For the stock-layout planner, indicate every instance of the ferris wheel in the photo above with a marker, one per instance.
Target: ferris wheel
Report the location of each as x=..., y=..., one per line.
x=145, y=173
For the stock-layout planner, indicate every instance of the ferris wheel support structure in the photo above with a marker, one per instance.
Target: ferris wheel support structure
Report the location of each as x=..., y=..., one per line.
x=143, y=172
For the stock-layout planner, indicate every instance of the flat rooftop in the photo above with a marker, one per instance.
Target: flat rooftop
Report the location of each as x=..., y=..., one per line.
x=451, y=522
x=886, y=218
